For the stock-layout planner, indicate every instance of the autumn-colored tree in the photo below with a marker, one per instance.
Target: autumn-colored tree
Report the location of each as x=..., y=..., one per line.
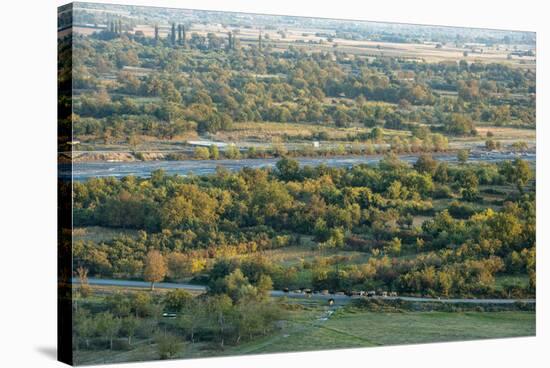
x=84, y=289
x=133, y=141
x=155, y=268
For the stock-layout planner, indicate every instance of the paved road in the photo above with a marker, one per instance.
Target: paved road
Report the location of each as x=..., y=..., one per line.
x=338, y=298
x=141, y=284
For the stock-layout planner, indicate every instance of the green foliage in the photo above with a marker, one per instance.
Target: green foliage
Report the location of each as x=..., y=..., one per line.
x=463, y=156
x=167, y=346
x=219, y=225
x=177, y=300
x=426, y=164
x=159, y=104
x=202, y=153
x=517, y=172
x=107, y=326
x=214, y=152
x=393, y=247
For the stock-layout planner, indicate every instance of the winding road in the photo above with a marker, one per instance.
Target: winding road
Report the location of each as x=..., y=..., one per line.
x=338, y=298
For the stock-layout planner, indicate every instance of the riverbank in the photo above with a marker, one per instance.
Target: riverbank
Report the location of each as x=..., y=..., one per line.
x=85, y=170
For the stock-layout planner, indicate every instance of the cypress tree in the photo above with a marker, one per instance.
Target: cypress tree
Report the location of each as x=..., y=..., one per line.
x=173, y=34
x=183, y=35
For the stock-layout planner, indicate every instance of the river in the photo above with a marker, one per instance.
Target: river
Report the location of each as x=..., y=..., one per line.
x=87, y=170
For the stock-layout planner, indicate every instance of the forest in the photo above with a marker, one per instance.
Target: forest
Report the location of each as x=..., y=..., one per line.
x=208, y=227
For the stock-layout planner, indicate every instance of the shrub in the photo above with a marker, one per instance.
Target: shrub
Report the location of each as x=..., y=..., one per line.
x=202, y=153
x=167, y=346
x=442, y=191
x=461, y=210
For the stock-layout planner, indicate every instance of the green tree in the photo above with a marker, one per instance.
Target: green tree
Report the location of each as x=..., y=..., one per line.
x=264, y=286
x=376, y=135
x=469, y=183
x=426, y=164
x=202, y=153
x=517, y=172
x=214, y=152
x=463, y=155
x=288, y=169
x=141, y=304
x=191, y=317
x=444, y=282
x=107, y=326
x=491, y=145
x=173, y=34
x=129, y=326
x=238, y=287
x=219, y=308
x=167, y=346
x=177, y=300
x=232, y=152
x=84, y=326
x=393, y=247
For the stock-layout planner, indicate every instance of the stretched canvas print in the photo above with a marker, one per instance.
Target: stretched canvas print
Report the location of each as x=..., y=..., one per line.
x=235, y=183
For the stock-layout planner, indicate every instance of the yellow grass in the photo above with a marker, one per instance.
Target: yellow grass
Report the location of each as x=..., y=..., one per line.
x=507, y=132
x=265, y=131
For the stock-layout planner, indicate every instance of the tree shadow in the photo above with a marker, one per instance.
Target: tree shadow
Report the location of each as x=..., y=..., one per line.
x=48, y=351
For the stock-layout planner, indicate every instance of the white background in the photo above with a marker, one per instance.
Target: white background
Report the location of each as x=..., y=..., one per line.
x=28, y=181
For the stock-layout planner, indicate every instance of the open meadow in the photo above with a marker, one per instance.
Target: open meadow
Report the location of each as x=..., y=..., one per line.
x=312, y=325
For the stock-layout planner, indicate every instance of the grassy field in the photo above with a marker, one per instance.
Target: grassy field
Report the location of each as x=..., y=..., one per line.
x=504, y=280
x=266, y=131
x=347, y=329
x=507, y=132
x=318, y=327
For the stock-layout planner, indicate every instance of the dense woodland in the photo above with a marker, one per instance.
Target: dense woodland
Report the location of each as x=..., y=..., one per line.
x=208, y=227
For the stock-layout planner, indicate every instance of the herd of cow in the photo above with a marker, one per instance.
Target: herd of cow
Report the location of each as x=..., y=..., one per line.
x=371, y=293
